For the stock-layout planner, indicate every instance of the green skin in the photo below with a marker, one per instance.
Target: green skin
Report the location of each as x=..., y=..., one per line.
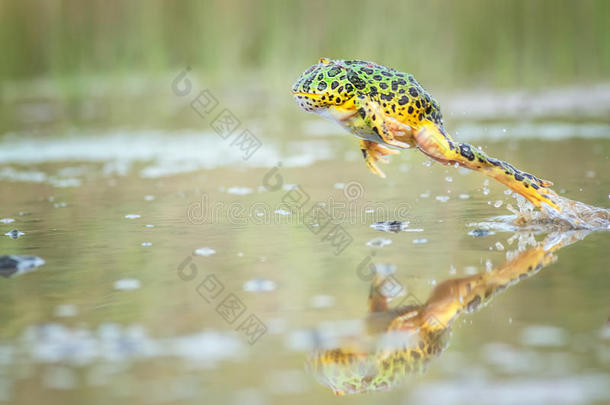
x=386, y=108
x=342, y=80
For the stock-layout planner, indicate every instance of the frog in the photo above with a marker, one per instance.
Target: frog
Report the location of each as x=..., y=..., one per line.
x=403, y=339
x=388, y=110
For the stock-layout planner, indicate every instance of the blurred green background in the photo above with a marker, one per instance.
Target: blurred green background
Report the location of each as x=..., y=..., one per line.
x=449, y=43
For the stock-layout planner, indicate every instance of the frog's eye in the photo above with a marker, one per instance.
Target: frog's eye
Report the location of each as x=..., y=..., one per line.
x=324, y=60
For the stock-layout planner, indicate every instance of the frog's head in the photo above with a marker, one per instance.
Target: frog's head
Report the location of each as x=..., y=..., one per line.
x=324, y=85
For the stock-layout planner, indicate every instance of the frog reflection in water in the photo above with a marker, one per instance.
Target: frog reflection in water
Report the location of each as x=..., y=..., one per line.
x=390, y=110
x=405, y=339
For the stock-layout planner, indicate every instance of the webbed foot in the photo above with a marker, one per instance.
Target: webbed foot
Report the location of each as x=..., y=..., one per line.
x=434, y=142
x=373, y=153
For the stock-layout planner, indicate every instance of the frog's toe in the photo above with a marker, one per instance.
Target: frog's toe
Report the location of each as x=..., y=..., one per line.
x=374, y=153
x=372, y=165
x=539, y=196
x=545, y=183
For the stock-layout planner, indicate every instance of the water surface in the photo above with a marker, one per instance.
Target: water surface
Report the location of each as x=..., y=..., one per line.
x=177, y=272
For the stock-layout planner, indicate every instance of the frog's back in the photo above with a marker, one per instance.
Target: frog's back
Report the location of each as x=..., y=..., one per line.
x=398, y=93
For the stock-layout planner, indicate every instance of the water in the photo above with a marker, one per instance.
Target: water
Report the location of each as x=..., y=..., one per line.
x=176, y=271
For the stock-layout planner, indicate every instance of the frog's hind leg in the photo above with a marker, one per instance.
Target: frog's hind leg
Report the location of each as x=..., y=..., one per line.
x=374, y=152
x=434, y=142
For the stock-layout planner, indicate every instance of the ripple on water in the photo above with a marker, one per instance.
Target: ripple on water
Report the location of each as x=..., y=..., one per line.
x=391, y=226
x=480, y=233
x=14, y=234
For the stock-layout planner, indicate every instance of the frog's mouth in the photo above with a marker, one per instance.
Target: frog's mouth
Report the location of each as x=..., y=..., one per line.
x=309, y=102
x=308, y=95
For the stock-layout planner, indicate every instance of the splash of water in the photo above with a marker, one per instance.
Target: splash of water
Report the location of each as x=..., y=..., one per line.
x=573, y=215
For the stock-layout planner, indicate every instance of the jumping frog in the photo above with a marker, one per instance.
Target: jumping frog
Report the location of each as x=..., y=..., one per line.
x=389, y=110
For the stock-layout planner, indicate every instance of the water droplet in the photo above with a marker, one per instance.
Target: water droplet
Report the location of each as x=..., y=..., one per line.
x=464, y=196
x=425, y=195
x=132, y=216
x=485, y=191
x=204, y=251
x=259, y=284
x=127, y=284
x=322, y=301
x=442, y=198
x=149, y=198
x=448, y=179
x=282, y=212
x=499, y=246
x=7, y=220
x=239, y=190
x=146, y=244
x=65, y=310
x=420, y=241
x=149, y=225
x=498, y=204
x=427, y=163
x=379, y=242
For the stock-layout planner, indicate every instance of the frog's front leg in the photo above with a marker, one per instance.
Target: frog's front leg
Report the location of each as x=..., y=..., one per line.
x=388, y=129
x=434, y=142
x=374, y=152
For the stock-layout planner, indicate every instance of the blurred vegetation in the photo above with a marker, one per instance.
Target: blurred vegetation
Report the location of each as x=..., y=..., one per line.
x=451, y=44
